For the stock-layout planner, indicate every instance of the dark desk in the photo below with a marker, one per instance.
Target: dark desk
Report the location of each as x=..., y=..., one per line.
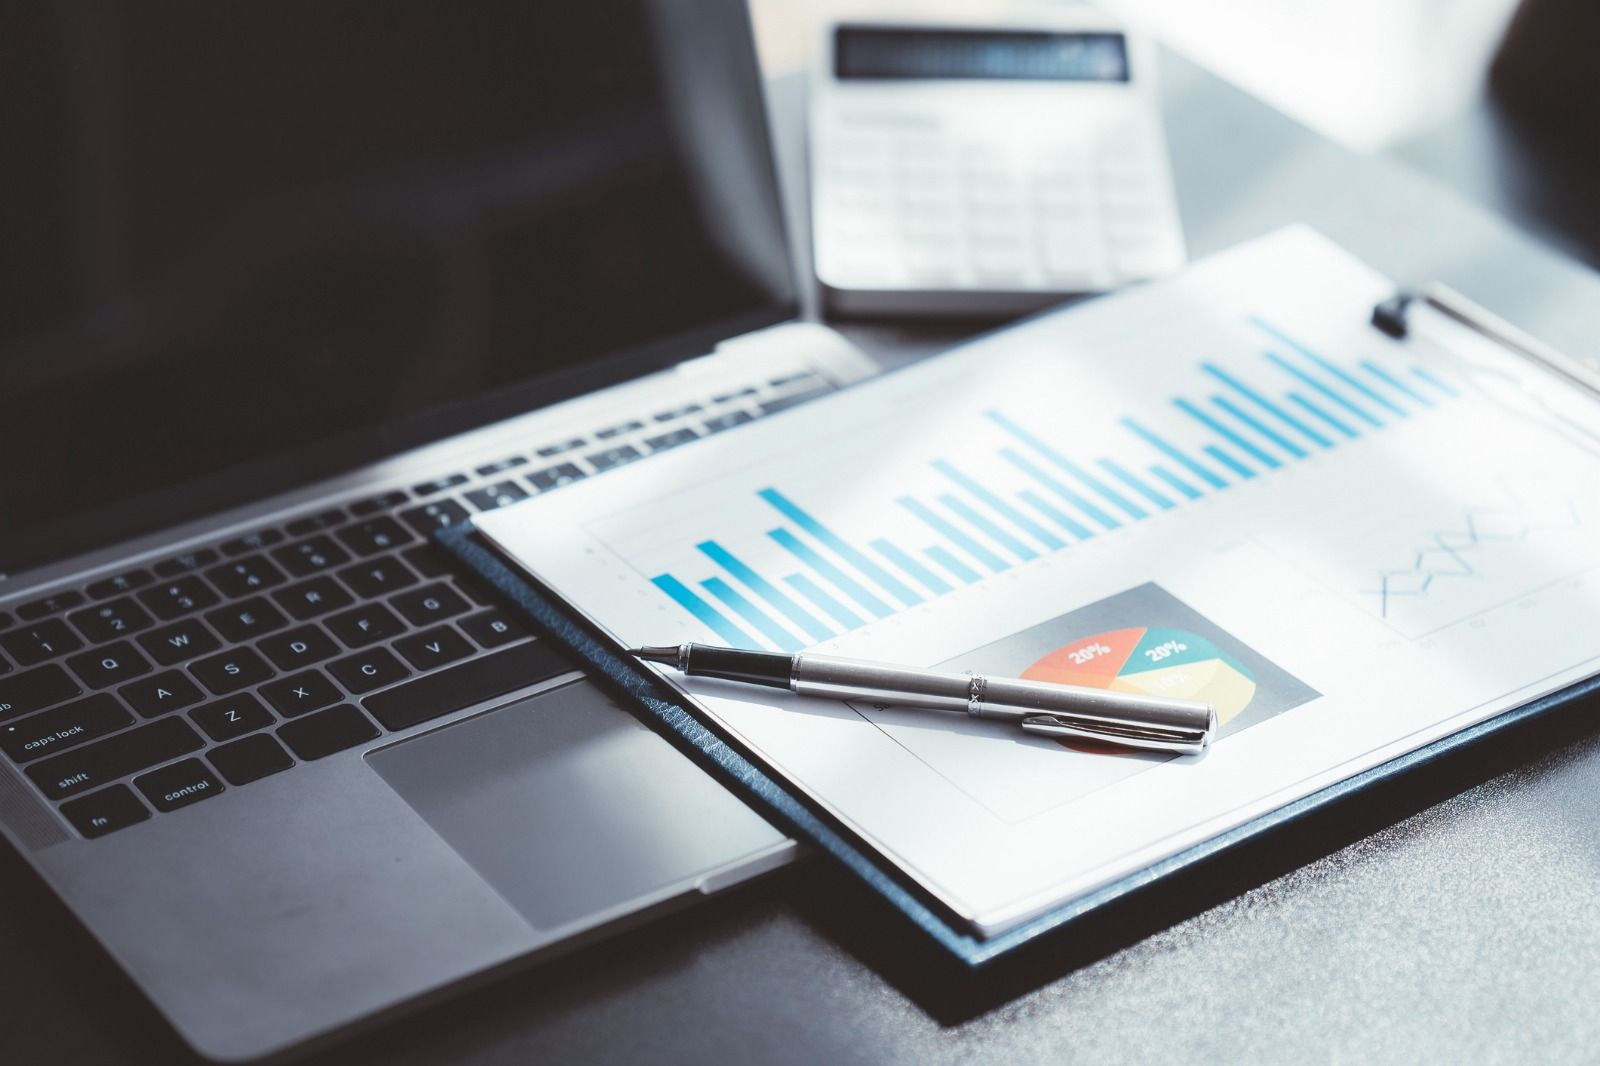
x=1467, y=930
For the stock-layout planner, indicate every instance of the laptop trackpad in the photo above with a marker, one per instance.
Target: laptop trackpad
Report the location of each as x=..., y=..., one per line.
x=570, y=807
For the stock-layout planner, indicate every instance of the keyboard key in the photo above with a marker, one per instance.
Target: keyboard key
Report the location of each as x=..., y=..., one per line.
x=245, y=577
x=183, y=640
x=311, y=523
x=116, y=586
x=116, y=756
x=682, y=435
x=299, y=647
x=5, y=620
x=186, y=563
x=783, y=403
x=377, y=578
x=427, y=560
x=109, y=621
x=35, y=690
x=253, y=618
x=728, y=397
x=387, y=502
x=375, y=535
x=250, y=759
x=318, y=735
x=439, y=484
x=617, y=430
x=178, y=785
x=440, y=514
x=464, y=685
x=36, y=643
x=433, y=647
x=491, y=469
x=174, y=599
x=677, y=412
x=252, y=542
x=429, y=604
x=614, y=457
x=368, y=670
x=110, y=665
x=500, y=494
x=365, y=625
x=61, y=601
x=5, y=667
x=790, y=379
x=299, y=693
x=63, y=728
x=105, y=811
x=728, y=421
x=311, y=598
x=232, y=717
x=310, y=556
x=232, y=670
x=556, y=476
x=155, y=696
x=491, y=629
x=565, y=446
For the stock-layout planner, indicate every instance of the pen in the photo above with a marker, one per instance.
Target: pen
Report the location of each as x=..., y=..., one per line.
x=1152, y=723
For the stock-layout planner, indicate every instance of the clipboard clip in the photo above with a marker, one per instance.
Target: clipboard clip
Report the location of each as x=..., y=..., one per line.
x=1392, y=317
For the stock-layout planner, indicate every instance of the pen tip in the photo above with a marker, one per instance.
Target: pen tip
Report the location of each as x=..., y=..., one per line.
x=665, y=655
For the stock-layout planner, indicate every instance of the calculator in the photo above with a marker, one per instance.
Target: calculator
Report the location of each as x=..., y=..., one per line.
x=987, y=167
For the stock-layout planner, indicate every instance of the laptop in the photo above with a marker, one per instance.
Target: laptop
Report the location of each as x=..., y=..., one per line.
x=288, y=286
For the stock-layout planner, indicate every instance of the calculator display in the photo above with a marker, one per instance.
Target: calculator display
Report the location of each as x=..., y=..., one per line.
x=884, y=53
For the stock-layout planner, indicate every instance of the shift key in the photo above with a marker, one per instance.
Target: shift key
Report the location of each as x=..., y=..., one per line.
x=93, y=765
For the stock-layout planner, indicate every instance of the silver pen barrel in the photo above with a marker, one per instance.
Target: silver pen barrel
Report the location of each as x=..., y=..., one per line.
x=1153, y=723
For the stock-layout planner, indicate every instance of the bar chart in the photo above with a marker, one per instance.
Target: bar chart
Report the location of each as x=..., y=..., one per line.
x=1023, y=487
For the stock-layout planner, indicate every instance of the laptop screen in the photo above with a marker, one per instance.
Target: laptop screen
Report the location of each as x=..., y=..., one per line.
x=240, y=237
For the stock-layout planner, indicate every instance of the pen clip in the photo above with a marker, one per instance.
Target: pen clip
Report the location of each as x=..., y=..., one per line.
x=1061, y=727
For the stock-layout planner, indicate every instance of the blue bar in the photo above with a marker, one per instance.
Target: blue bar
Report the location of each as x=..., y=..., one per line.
x=1229, y=461
x=955, y=535
x=911, y=566
x=960, y=569
x=1217, y=427
x=830, y=606
x=1331, y=368
x=714, y=619
x=1026, y=524
x=1171, y=452
x=748, y=611
x=1132, y=509
x=1265, y=404
x=1360, y=412
x=763, y=588
x=1325, y=416
x=994, y=532
x=841, y=581
x=1175, y=481
x=1383, y=375
x=1136, y=485
x=874, y=572
x=1066, y=493
x=1259, y=426
x=1055, y=514
x=1435, y=381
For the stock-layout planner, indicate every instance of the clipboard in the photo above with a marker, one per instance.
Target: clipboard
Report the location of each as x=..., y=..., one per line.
x=660, y=707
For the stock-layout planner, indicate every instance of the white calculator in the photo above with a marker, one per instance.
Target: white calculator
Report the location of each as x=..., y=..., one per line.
x=987, y=167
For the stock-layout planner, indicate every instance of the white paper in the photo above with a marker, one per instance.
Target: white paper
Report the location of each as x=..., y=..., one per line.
x=1414, y=549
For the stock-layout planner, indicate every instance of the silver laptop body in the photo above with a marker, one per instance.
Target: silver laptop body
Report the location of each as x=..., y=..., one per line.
x=290, y=769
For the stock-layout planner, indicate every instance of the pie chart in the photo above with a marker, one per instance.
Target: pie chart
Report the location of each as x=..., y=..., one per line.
x=1153, y=660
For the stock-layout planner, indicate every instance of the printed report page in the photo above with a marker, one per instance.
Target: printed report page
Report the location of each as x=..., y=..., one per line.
x=1227, y=486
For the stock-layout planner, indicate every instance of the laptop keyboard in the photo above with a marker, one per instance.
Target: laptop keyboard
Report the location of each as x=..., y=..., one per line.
x=165, y=685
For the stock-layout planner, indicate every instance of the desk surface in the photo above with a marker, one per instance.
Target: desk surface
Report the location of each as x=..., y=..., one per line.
x=1466, y=929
